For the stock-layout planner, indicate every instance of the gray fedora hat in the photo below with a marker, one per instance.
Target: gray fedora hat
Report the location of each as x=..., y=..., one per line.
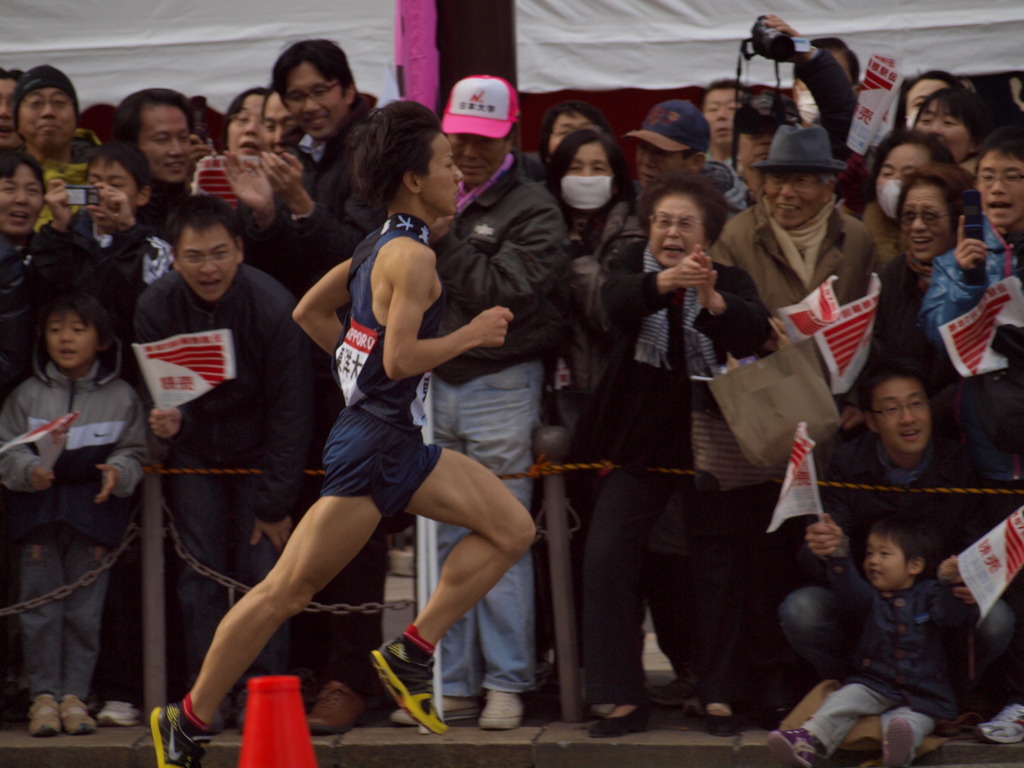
x=801, y=149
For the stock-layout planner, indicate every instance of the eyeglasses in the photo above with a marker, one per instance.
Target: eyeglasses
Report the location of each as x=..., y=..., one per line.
x=687, y=225
x=801, y=183
x=316, y=93
x=894, y=411
x=907, y=218
x=1010, y=178
x=195, y=259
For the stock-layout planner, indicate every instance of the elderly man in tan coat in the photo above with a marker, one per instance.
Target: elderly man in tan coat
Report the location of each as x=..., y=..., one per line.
x=794, y=238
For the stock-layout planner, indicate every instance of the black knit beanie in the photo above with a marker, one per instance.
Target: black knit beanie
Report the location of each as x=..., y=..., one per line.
x=43, y=76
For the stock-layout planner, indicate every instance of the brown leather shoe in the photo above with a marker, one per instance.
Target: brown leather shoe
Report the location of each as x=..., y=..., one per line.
x=336, y=710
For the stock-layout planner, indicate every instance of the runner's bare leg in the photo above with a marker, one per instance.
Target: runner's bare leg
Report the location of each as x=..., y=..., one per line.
x=462, y=492
x=458, y=491
x=327, y=537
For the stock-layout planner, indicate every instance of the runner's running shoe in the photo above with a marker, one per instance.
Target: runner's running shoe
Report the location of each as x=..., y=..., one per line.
x=410, y=682
x=175, y=744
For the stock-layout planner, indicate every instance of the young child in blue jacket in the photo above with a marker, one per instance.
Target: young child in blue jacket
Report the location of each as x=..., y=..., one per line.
x=65, y=519
x=900, y=661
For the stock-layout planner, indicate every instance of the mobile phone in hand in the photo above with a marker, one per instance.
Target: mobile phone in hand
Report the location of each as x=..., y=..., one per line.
x=974, y=221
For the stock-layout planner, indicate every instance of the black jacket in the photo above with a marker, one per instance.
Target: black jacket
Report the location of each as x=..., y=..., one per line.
x=855, y=510
x=509, y=248
x=15, y=317
x=115, y=275
x=640, y=415
x=262, y=418
x=299, y=253
x=901, y=653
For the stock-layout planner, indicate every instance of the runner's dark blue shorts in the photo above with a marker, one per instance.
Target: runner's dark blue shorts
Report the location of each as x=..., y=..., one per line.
x=366, y=456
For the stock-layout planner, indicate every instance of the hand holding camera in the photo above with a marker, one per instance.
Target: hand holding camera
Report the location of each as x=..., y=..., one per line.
x=58, y=199
x=112, y=211
x=774, y=39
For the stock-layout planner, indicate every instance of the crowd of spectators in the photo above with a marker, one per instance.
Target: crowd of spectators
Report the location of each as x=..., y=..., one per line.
x=629, y=296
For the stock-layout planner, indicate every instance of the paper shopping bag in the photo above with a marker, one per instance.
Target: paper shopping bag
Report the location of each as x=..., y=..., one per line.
x=764, y=400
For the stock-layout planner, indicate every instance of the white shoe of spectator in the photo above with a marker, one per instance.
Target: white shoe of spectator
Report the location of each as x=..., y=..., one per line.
x=118, y=713
x=1005, y=728
x=402, y=562
x=455, y=708
x=503, y=711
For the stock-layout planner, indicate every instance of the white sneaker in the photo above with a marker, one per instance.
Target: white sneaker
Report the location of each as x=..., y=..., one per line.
x=455, y=708
x=503, y=711
x=1005, y=728
x=118, y=713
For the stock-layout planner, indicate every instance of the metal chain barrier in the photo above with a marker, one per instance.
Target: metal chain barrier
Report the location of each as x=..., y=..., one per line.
x=541, y=468
x=339, y=609
x=87, y=578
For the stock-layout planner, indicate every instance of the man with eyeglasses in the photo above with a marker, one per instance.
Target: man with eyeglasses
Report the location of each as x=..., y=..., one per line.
x=899, y=450
x=261, y=419
x=959, y=280
x=793, y=238
x=45, y=108
x=675, y=136
x=300, y=214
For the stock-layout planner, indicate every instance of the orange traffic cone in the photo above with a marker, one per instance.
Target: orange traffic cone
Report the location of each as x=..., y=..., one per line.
x=276, y=734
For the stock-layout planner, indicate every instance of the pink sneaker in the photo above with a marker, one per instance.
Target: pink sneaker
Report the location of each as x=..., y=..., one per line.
x=898, y=743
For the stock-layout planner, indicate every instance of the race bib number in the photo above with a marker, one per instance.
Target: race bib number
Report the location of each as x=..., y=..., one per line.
x=351, y=357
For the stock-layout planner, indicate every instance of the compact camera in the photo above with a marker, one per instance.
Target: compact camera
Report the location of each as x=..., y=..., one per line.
x=82, y=195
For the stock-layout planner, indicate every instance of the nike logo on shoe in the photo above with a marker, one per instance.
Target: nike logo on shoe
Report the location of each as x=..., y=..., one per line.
x=173, y=753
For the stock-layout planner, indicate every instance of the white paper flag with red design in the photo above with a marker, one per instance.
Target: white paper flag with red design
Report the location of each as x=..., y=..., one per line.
x=968, y=339
x=799, y=494
x=50, y=438
x=842, y=333
x=816, y=312
x=991, y=563
x=879, y=90
x=183, y=367
x=846, y=342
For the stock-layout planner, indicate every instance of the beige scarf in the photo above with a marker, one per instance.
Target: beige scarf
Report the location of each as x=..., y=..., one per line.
x=801, y=245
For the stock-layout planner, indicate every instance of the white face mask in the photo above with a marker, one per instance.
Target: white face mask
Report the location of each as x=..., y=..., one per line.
x=586, y=193
x=808, y=107
x=889, y=196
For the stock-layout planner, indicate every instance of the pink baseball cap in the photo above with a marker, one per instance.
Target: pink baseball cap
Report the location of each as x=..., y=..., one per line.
x=481, y=105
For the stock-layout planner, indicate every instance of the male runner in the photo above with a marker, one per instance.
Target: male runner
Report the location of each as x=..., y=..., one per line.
x=375, y=460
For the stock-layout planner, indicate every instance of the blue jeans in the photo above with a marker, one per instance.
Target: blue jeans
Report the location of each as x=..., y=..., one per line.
x=491, y=419
x=815, y=625
x=214, y=518
x=61, y=639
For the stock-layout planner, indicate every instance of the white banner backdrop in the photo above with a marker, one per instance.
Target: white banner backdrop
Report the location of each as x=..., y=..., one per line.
x=216, y=48
x=608, y=44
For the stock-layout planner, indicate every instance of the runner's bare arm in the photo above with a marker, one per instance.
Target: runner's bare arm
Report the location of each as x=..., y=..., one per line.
x=316, y=312
x=410, y=269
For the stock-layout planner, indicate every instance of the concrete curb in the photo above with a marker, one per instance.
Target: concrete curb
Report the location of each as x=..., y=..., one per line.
x=557, y=745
